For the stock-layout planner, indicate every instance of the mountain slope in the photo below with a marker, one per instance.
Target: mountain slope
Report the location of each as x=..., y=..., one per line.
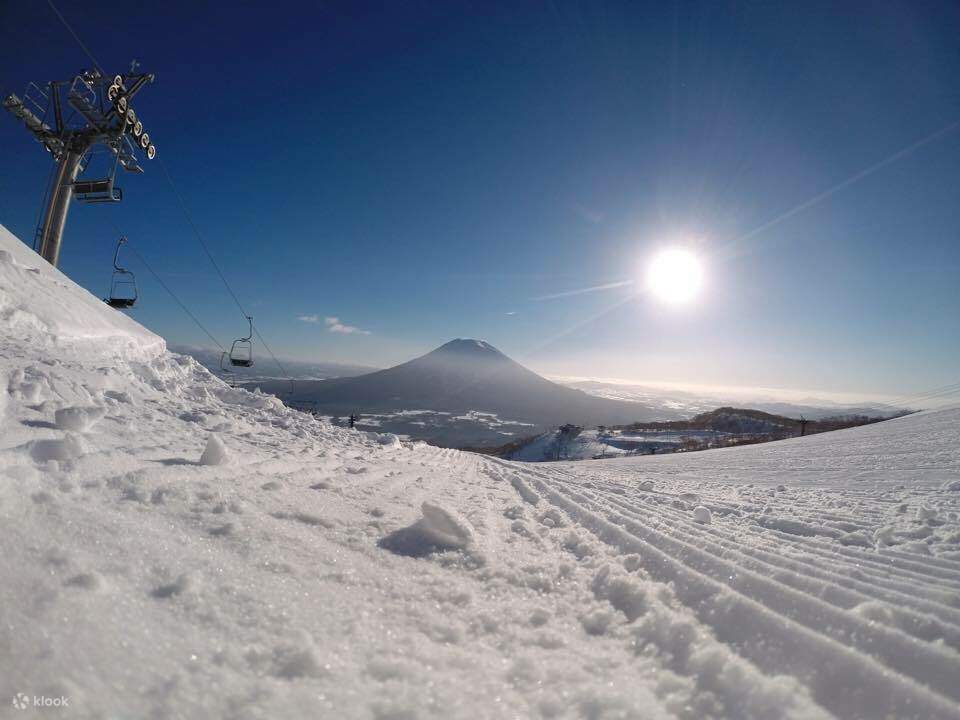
x=461, y=376
x=173, y=547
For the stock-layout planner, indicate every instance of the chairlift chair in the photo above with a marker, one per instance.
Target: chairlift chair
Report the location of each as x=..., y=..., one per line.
x=123, y=283
x=241, y=352
x=97, y=191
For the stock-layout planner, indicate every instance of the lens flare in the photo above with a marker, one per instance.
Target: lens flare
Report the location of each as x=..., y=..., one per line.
x=675, y=276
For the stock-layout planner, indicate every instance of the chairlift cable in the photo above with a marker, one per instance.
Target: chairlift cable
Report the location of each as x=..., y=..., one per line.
x=76, y=37
x=199, y=236
x=174, y=296
x=267, y=347
x=209, y=254
x=43, y=203
x=950, y=389
x=933, y=394
x=936, y=396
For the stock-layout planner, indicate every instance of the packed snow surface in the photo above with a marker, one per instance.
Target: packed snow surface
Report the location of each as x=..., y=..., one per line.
x=175, y=548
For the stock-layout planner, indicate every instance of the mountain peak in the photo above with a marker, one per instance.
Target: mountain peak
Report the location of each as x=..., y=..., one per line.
x=467, y=346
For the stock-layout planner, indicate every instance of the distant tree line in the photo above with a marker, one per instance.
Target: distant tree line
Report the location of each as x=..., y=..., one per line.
x=749, y=422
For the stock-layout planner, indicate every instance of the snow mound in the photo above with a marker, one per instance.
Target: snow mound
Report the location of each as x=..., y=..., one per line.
x=439, y=529
x=77, y=419
x=215, y=453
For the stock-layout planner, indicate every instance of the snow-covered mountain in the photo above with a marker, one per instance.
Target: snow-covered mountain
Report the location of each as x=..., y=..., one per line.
x=171, y=547
x=453, y=390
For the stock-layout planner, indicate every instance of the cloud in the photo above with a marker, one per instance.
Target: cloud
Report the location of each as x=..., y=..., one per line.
x=512, y=312
x=335, y=326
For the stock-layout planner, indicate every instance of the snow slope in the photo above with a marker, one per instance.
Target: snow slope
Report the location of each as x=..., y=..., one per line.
x=305, y=571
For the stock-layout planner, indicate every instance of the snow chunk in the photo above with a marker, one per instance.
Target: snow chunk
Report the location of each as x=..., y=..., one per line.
x=702, y=515
x=514, y=512
x=577, y=545
x=860, y=538
x=625, y=593
x=293, y=662
x=77, y=419
x=215, y=453
x=438, y=529
x=598, y=621
x=181, y=584
x=63, y=449
x=646, y=485
x=85, y=581
x=552, y=518
x=875, y=611
x=447, y=528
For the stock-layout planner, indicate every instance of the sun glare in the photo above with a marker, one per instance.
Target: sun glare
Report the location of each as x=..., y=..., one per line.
x=675, y=276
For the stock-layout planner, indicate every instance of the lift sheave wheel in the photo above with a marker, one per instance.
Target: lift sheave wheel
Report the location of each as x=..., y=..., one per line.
x=151, y=152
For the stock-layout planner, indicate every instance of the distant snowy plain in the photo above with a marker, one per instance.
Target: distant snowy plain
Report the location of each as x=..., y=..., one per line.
x=171, y=547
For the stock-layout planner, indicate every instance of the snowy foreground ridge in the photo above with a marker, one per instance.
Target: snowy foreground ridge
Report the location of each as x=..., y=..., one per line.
x=173, y=548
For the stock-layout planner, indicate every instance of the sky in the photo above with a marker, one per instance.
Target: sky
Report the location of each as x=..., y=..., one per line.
x=375, y=179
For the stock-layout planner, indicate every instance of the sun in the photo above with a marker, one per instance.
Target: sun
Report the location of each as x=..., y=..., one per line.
x=675, y=276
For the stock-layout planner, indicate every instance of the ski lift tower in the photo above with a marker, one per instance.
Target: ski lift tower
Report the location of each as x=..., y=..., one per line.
x=100, y=118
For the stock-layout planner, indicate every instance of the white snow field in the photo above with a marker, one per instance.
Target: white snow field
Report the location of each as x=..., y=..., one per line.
x=305, y=571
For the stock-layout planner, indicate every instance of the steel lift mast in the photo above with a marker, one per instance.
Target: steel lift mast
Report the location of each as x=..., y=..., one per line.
x=101, y=116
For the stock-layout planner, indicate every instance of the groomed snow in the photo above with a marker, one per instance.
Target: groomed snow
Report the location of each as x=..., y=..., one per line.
x=172, y=547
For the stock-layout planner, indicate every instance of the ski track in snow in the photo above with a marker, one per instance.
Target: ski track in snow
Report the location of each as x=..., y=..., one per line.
x=138, y=582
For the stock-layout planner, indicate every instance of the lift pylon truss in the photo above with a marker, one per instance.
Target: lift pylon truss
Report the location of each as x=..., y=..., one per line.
x=100, y=113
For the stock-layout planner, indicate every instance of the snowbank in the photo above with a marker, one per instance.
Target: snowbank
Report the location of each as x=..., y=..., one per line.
x=41, y=304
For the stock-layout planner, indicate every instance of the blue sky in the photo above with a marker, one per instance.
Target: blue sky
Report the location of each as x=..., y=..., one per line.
x=420, y=170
